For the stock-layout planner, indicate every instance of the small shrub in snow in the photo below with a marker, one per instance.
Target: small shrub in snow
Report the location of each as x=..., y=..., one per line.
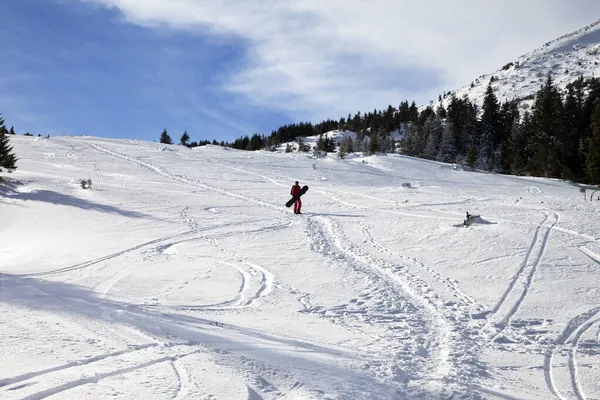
x=85, y=183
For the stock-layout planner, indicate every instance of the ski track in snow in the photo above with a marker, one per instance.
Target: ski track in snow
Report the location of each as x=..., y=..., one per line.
x=186, y=179
x=118, y=363
x=328, y=239
x=573, y=331
x=403, y=295
x=518, y=288
x=103, y=287
x=267, y=281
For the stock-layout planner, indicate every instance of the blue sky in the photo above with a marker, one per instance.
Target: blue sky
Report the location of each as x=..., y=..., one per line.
x=222, y=69
x=77, y=68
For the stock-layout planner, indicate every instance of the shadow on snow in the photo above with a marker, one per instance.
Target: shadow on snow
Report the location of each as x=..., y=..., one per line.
x=10, y=191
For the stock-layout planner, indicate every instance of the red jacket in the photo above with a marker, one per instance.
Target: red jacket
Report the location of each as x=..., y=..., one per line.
x=296, y=190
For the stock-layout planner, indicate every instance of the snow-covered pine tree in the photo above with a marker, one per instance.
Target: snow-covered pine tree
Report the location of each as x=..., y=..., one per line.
x=433, y=129
x=347, y=145
x=385, y=142
x=447, y=151
x=411, y=143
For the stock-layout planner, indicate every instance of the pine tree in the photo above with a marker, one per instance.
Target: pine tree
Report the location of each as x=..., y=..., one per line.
x=592, y=167
x=256, y=142
x=485, y=155
x=374, y=144
x=547, y=124
x=447, y=151
x=509, y=114
x=411, y=144
x=185, y=138
x=572, y=134
x=490, y=120
x=518, y=139
x=8, y=159
x=433, y=130
x=385, y=142
x=471, y=159
x=165, y=138
x=12, y=130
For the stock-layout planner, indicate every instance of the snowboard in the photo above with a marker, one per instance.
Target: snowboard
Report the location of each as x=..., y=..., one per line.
x=293, y=199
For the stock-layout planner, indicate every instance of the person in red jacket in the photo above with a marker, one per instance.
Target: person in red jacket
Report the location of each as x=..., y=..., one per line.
x=298, y=203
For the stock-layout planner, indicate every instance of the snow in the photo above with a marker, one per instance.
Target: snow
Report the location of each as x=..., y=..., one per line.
x=181, y=274
x=566, y=59
x=311, y=141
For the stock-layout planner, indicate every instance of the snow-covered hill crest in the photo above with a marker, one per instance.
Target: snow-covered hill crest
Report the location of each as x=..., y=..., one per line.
x=565, y=58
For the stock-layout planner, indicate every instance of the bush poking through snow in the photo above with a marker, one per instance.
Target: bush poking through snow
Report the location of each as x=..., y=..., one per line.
x=85, y=183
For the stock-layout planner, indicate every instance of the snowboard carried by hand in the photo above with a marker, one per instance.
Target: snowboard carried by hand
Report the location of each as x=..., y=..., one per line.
x=293, y=199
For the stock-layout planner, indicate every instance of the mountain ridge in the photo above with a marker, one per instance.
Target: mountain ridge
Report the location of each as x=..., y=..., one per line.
x=566, y=58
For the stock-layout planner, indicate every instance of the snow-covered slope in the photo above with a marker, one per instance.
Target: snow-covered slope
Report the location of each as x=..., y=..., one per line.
x=566, y=58
x=181, y=275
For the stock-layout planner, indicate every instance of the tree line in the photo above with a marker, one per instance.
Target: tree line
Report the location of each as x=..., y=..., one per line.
x=558, y=136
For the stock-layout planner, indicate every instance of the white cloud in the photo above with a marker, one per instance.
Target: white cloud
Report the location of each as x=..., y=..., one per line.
x=321, y=58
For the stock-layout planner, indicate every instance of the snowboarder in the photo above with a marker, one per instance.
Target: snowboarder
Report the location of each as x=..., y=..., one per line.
x=296, y=190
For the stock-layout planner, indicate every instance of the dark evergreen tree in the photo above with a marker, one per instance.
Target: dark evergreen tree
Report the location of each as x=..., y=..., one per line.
x=12, y=130
x=326, y=143
x=433, y=130
x=471, y=156
x=572, y=134
x=413, y=112
x=185, y=138
x=490, y=119
x=374, y=144
x=518, y=159
x=256, y=142
x=412, y=142
x=8, y=159
x=592, y=167
x=471, y=129
x=509, y=116
x=486, y=159
x=547, y=124
x=441, y=112
x=165, y=138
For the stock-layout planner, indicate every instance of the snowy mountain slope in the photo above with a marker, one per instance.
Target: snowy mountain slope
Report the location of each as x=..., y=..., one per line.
x=181, y=275
x=566, y=58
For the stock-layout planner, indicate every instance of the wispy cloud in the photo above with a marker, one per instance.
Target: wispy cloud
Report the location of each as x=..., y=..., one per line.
x=316, y=58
